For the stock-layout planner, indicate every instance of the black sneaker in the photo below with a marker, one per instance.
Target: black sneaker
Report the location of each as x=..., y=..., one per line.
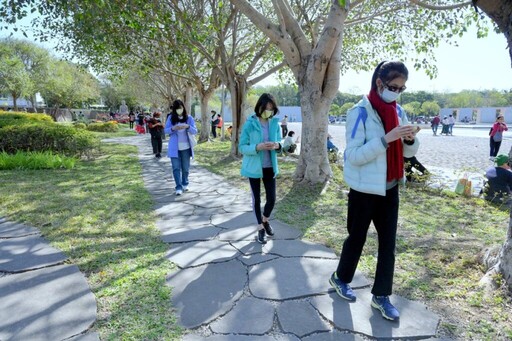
x=261, y=237
x=268, y=228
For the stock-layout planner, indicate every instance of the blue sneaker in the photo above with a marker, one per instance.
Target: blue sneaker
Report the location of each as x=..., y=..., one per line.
x=387, y=310
x=343, y=289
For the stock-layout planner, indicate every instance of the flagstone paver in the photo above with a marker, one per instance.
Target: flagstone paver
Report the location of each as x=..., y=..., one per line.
x=203, y=293
x=300, y=318
x=248, y=316
x=53, y=303
x=40, y=298
x=9, y=229
x=415, y=319
x=199, y=253
x=229, y=287
x=288, y=278
x=27, y=253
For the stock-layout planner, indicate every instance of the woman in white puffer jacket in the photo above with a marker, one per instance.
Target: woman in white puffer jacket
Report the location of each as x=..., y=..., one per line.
x=378, y=137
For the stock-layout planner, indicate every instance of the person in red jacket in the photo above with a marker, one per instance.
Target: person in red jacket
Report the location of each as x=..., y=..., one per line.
x=220, y=123
x=496, y=136
x=435, y=123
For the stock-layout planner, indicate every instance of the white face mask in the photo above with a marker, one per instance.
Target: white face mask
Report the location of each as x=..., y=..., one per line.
x=389, y=96
x=179, y=111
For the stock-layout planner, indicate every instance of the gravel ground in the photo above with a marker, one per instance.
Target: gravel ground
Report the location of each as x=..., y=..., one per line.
x=446, y=157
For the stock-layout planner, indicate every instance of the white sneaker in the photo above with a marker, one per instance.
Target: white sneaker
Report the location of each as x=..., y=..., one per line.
x=179, y=192
x=185, y=188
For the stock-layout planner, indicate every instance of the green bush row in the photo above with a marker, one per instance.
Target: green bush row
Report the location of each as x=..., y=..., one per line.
x=38, y=132
x=8, y=118
x=49, y=137
x=106, y=127
x=35, y=160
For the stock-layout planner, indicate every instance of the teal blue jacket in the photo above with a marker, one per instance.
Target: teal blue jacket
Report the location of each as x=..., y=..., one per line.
x=252, y=160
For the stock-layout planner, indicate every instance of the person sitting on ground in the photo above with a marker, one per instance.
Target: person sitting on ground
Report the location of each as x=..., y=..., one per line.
x=330, y=146
x=289, y=145
x=228, y=131
x=499, y=185
x=412, y=162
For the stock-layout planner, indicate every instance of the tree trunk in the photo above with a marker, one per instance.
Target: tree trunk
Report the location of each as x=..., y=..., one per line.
x=500, y=11
x=205, y=117
x=505, y=262
x=188, y=99
x=313, y=165
x=238, y=90
x=14, y=101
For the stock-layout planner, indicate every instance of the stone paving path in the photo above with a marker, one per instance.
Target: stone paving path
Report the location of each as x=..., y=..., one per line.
x=229, y=287
x=41, y=296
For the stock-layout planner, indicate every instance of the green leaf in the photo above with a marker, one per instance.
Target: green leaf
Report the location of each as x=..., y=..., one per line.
x=342, y=3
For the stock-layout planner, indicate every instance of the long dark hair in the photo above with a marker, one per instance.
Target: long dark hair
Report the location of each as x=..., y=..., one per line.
x=261, y=105
x=387, y=71
x=174, y=115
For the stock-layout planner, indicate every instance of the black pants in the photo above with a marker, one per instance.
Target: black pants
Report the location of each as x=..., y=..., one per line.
x=270, y=191
x=495, y=146
x=383, y=211
x=131, y=124
x=214, y=131
x=285, y=130
x=410, y=163
x=156, y=142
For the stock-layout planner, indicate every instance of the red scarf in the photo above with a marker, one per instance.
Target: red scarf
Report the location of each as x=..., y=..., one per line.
x=394, y=153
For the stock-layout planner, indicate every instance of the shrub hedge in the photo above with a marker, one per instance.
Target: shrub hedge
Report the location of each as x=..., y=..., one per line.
x=106, y=127
x=35, y=132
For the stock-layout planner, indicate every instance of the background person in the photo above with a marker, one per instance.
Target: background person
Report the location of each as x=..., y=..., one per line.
x=499, y=185
x=289, y=145
x=435, y=124
x=284, y=125
x=259, y=144
x=155, y=129
x=220, y=123
x=214, y=122
x=496, y=136
x=180, y=150
x=374, y=166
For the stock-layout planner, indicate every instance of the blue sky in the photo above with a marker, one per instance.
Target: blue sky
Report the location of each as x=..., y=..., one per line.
x=476, y=64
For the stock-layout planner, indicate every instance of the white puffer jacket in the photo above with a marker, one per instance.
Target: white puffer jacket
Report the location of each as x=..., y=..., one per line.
x=365, y=165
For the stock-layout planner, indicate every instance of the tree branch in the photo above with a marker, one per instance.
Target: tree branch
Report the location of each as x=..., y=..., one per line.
x=440, y=8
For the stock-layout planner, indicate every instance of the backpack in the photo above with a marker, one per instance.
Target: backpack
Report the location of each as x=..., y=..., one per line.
x=363, y=115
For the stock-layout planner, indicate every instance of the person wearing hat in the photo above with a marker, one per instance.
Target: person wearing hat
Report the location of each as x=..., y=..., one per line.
x=499, y=185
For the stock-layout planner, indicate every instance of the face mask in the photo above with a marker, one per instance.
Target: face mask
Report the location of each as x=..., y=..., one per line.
x=267, y=114
x=389, y=96
x=179, y=111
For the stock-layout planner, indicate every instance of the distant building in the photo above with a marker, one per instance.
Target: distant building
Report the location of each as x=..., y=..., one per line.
x=478, y=115
x=7, y=102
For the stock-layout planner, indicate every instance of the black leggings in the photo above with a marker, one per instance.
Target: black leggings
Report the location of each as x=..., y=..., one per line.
x=270, y=191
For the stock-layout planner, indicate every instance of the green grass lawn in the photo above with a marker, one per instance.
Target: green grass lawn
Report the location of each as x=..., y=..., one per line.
x=100, y=215
x=439, y=238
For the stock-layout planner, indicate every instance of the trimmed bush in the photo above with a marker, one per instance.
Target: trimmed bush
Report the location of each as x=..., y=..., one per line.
x=16, y=118
x=80, y=125
x=46, y=137
x=35, y=160
x=106, y=127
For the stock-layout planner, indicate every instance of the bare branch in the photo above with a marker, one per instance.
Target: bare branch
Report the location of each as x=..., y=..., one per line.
x=440, y=8
x=266, y=74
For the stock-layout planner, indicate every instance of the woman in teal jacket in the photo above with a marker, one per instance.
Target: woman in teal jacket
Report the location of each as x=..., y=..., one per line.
x=259, y=144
